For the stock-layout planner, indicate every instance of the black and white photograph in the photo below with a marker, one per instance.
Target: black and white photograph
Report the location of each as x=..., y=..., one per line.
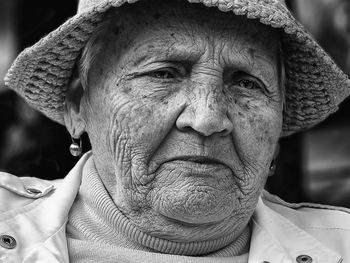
x=175, y=131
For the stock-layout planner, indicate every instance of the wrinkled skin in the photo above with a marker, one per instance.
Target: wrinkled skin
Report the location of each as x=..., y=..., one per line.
x=183, y=110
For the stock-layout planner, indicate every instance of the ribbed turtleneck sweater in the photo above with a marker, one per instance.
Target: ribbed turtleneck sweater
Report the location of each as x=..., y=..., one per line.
x=97, y=231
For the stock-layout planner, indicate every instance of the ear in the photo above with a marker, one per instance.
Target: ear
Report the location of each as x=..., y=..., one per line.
x=73, y=118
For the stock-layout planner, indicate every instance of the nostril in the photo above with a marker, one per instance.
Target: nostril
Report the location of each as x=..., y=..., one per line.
x=186, y=129
x=227, y=126
x=224, y=132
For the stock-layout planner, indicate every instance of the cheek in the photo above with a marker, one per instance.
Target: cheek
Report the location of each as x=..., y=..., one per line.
x=257, y=130
x=141, y=121
x=255, y=136
x=137, y=127
x=265, y=126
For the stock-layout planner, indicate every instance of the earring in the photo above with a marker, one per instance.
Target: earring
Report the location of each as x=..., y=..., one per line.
x=272, y=167
x=75, y=148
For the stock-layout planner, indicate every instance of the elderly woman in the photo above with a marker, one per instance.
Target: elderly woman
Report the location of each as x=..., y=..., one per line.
x=184, y=104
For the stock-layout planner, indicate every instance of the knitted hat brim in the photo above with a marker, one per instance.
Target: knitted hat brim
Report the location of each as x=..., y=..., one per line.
x=314, y=84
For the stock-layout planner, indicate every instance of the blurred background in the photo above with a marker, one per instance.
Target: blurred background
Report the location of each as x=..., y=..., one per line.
x=312, y=166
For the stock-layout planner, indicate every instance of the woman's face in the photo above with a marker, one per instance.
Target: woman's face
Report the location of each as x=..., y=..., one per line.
x=184, y=110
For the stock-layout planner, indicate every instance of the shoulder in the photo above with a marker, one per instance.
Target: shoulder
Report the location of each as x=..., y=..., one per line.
x=16, y=191
x=330, y=225
x=303, y=208
x=309, y=214
x=33, y=214
x=319, y=231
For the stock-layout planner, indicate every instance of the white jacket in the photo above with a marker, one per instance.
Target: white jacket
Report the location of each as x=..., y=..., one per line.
x=34, y=213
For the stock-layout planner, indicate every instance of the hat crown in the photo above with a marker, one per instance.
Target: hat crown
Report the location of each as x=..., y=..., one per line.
x=85, y=5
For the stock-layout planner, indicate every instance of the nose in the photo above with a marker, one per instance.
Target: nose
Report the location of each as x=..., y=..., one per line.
x=207, y=115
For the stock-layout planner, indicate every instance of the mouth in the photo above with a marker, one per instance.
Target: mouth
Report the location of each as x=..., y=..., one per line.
x=192, y=161
x=197, y=159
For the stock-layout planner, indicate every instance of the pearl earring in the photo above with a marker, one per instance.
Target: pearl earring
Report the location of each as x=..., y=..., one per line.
x=75, y=148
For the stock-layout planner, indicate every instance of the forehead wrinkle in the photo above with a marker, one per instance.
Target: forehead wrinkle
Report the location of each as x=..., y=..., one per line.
x=187, y=35
x=187, y=30
x=164, y=49
x=189, y=40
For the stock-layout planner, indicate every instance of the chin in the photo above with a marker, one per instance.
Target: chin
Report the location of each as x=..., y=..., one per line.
x=193, y=206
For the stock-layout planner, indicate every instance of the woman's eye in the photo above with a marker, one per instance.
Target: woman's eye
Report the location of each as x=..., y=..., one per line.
x=248, y=84
x=163, y=74
x=243, y=81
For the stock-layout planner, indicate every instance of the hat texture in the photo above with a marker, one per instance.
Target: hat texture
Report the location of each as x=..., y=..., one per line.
x=314, y=84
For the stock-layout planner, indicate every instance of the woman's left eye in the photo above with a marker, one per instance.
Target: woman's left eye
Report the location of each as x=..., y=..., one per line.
x=248, y=84
x=244, y=81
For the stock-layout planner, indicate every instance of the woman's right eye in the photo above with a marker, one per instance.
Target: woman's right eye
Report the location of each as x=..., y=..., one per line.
x=166, y=73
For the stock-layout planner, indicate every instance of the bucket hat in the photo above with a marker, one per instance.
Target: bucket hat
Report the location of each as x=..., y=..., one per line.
x=314, y=84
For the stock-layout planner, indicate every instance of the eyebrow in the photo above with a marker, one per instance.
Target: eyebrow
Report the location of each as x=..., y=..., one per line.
x=254, y=62
x=266, y=68
x=165, y=50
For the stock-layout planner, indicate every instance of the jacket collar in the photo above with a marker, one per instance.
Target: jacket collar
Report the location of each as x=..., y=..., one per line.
x=276, y=239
